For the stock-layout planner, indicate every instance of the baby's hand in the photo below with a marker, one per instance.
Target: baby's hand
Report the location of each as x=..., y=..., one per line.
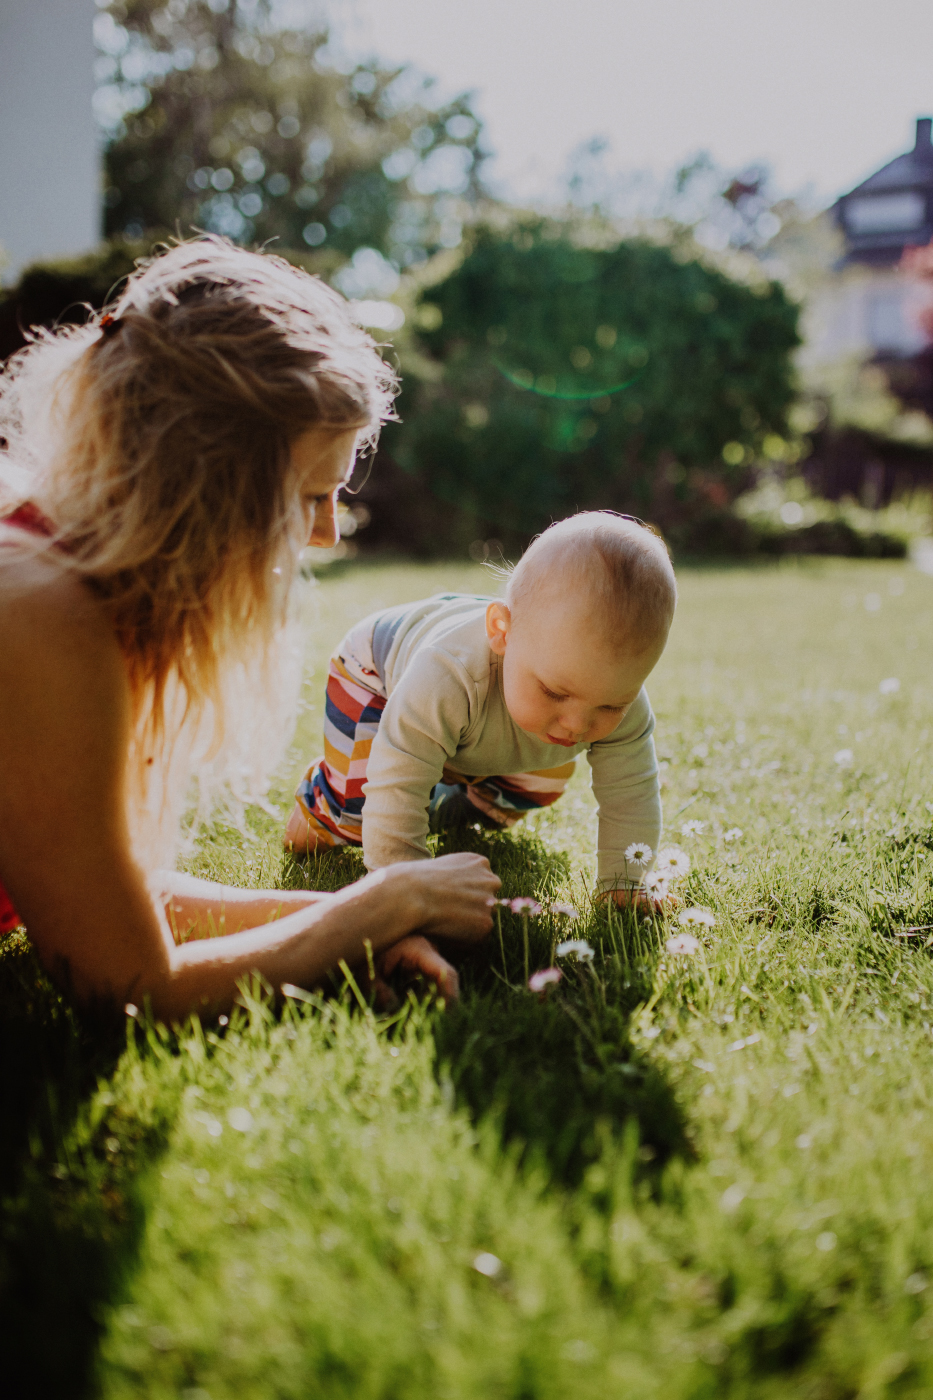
x=415, y=956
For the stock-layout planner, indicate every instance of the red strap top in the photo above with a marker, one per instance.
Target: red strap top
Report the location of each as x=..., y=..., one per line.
x=25, y=517
x=9, y=919
x=29, y=517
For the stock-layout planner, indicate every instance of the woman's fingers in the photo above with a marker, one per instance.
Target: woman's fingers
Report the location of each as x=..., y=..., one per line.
x=450, y=897
x=464, y=889
x=385, y=997
x=416, y=956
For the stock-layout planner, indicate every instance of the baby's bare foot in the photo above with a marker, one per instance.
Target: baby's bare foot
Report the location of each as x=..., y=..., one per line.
x=300, y=837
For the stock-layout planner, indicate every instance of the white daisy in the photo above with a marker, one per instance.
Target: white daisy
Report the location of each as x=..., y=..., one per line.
x=683, y=944
x=566, y=911
x=693, y=828
x=524, y=906
x=657, y=884
x=672, y=862
x=539, y=981
x=639, y=853
x=843, y=757
x=578, y=947
x=698, y=918
x=735, y=833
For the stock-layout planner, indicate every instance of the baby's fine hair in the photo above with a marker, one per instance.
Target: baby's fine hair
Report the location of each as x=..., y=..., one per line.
x=621, y=564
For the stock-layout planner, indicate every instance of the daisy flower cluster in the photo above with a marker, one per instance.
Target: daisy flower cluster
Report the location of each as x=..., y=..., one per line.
x=671, y=864
x=685, y=943
x=546, y=977
x=530, y=908
x=576, y=948
x=698, y=918
x=527, y=908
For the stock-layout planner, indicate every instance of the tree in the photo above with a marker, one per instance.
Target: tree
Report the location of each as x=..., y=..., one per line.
x=216, y=119
x=633, y=376
x=723, y=209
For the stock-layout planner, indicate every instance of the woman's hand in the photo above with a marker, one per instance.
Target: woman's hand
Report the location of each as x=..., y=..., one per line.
x=456, y=894
x=415, y=956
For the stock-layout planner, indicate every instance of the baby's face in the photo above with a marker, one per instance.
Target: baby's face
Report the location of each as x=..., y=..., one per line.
x=561, y=681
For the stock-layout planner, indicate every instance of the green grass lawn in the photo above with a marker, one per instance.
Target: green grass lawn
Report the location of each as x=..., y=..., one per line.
x=672, y=1177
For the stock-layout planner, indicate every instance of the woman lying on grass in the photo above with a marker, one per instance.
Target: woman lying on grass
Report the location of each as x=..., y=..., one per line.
x=163, y=470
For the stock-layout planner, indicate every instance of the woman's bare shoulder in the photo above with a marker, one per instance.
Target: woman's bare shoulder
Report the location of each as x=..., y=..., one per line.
x=52, y=624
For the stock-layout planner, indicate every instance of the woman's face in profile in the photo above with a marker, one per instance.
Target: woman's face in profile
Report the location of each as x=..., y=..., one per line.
x=322, y=458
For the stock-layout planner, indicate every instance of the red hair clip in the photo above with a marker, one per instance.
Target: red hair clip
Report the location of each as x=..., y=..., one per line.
x=109, y=324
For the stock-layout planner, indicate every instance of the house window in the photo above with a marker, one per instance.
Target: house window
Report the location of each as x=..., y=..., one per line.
x=886, y=329
x=890, y=321
x=885, y=213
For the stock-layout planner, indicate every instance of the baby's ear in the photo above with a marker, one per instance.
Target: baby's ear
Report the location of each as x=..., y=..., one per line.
x=498, y=623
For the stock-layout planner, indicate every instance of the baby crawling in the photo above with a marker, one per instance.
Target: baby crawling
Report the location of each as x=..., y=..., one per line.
x=463, y=708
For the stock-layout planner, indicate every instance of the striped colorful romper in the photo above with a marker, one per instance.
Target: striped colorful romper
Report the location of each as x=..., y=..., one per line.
x=27, y=517
x=331, y=792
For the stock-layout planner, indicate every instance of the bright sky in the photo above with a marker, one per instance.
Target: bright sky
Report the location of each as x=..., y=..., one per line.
x=825, y=91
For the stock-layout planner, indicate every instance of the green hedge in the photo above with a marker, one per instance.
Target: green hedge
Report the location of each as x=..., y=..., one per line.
x=574, y=377
x=59, y=292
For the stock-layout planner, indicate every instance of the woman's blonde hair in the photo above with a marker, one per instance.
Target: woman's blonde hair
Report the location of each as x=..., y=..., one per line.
x=157, y=443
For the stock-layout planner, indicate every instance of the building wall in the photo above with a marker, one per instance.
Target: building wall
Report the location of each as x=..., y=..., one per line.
x=49, y=148
x=861, y=312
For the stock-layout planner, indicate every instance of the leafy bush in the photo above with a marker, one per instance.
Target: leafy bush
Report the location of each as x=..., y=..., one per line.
x=58, y=293
x=628, y=377
x=834, y=537
x=469, y=469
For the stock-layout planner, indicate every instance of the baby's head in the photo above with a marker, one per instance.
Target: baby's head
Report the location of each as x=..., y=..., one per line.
x=585, y=619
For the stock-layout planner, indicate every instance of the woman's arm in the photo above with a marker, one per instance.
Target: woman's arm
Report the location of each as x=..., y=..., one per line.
x=197, y=908
x=65, y=726
x=451, y=896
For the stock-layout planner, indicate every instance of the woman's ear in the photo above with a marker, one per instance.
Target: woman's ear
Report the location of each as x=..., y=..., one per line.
x=498, y=624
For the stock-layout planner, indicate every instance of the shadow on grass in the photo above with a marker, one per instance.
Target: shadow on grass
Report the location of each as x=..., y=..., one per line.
x=555, y=1084
x=556, y=1077
x=68, y=1233
x=559, y=1075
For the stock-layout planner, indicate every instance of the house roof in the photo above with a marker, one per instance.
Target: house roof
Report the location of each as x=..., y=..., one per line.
x=911, y=171
x=878, y=227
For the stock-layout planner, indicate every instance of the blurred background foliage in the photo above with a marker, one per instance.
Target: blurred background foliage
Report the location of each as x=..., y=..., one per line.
x=628, y=376
x=217, y=119
x=634, y=350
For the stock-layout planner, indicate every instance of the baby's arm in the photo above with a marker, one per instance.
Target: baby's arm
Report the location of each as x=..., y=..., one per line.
x=627, y=790
x=420, y=730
